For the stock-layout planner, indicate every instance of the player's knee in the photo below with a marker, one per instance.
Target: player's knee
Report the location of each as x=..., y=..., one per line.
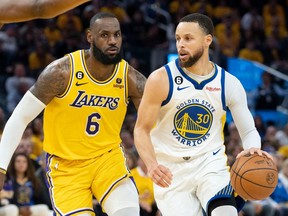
x=123, y=200
x=229, y=202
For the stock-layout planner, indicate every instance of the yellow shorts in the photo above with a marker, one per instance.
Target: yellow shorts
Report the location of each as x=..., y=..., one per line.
x=72, y=183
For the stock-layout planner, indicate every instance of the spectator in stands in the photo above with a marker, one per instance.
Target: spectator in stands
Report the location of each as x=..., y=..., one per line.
x=136, y=30
x=8, y=37
x=283, y=174
x=16, y=86
x=52, y=33
x=268, y=95
x=70, y=17
x=260, y=125
x=250, y=18
x=282, y=137
x=40, y=173
x=2, y=120
x=233, y=143
x=6, y=59
x=28, y=190
x=178, y=8
x=270, y=136
x=7, y=209
x=71, y=41
x=88, y=12
x=258, y=208
x=273, y=12
x=271, y=50
x=145, y=188
x=130, y=121
x=251, y=52
x=221, y=10
x=37, y=136
x=127, y=138
x=202, y=6
x=112, y=7
x=26, y=146
x=227, y=33
x=39, y=58
x=131, y=157
x=279, y=198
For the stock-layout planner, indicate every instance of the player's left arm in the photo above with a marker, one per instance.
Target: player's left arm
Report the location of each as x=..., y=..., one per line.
x=136, y=83
x=24, y=10
x=243, y=119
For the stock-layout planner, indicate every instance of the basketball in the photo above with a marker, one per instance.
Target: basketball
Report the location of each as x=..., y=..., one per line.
x=254, y=177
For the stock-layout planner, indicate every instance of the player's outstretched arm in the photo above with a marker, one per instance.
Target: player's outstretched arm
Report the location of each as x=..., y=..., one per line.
x=24, y=10
x=51, y=82
x=156, y=91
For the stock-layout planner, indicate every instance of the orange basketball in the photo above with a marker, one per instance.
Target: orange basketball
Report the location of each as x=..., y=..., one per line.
x=254, y=177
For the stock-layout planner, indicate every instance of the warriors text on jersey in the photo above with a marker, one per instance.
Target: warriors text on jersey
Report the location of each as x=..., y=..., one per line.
x=192, y=118
x=86, y=120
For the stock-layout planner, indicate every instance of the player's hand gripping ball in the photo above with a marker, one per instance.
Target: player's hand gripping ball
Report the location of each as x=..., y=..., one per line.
x=254, y=177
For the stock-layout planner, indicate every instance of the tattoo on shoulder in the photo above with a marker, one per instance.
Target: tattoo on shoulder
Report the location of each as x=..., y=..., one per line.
x=140, y=80
x=54, y=78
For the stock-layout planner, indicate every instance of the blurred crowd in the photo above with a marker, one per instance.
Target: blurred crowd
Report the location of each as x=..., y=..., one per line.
x=254, y=30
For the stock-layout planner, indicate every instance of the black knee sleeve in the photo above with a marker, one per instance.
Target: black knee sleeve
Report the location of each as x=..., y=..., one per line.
x=220, y=202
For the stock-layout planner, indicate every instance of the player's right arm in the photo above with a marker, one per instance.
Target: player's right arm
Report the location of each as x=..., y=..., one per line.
x=51, y=82
x=155, y=92
x=24, y=10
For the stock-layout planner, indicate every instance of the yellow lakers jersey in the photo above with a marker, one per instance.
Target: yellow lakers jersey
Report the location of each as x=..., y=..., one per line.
x=86, y=120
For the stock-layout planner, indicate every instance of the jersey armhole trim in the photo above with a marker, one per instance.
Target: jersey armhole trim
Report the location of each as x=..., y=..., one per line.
x=224, y=105
x=170, y=85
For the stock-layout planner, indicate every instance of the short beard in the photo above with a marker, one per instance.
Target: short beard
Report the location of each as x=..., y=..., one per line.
x=105, y=59
x=192, y=59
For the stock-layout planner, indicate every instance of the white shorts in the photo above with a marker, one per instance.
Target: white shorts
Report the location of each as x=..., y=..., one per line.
x=196, y=181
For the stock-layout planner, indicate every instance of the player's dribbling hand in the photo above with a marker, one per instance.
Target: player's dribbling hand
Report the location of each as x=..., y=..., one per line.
x=2, y=179
x=255, y=150
x=160, y=175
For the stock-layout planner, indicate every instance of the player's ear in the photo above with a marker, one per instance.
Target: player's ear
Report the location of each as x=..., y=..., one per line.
x=89, y=36
x=208, y=40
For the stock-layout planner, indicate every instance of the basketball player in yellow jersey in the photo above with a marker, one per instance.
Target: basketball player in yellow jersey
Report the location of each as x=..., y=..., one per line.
x=85, y=96
x=24, y=10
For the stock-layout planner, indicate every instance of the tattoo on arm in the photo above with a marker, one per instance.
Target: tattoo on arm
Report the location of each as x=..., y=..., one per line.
x=53, y=80
x=140, y=80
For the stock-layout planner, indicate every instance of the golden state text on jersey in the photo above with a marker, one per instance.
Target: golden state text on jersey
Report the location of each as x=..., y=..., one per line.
x=192, y=122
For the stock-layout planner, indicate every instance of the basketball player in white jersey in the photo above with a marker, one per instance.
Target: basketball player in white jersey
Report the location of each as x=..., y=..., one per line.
x=179, y=130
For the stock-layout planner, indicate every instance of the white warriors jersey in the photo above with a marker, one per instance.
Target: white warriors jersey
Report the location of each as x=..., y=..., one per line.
x=192, y=118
